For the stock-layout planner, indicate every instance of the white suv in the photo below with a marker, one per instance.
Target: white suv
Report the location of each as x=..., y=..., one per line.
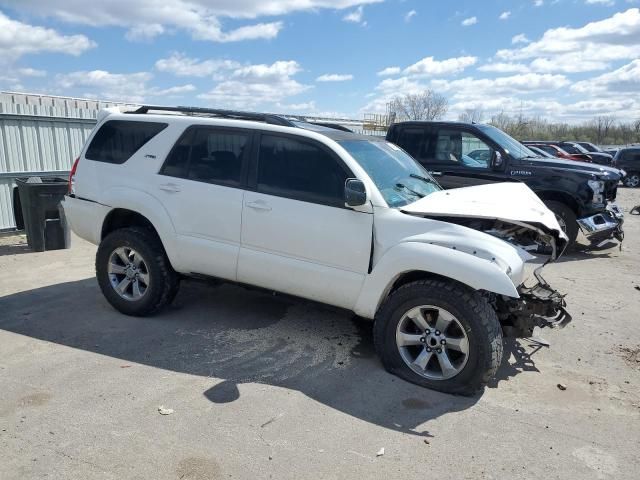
x=312, y=211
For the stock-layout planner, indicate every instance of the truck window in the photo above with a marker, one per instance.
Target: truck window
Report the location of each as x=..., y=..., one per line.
x=118, y=140
x=458, y=148
x=415, y=142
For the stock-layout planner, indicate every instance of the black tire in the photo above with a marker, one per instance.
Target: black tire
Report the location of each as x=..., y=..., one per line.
x=164, y=281
x=474, y=313
x=568, y=216
x=632, y=180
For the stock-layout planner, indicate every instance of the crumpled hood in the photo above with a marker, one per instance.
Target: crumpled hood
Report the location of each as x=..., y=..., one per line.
x=511, y=202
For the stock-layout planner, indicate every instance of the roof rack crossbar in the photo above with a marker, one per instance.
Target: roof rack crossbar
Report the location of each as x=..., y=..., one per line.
x=238, y=115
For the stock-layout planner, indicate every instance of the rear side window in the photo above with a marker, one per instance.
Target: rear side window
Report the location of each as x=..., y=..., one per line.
x=208, y=155
x=118, y=140
x=302, y=170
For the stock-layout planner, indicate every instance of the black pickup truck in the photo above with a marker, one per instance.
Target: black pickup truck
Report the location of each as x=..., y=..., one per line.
x=461, y=154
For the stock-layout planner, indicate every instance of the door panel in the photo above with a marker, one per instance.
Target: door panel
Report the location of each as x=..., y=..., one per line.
x=297, y=236
x=314, y=251
x=200, y=187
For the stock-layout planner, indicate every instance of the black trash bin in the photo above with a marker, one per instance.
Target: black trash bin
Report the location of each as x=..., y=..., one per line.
x=44, y=220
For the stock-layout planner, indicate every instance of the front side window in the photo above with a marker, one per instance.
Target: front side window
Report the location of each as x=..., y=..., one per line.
x=301, y=170
x=461, y=149
x=399, y=178
x=208, y=155
x=510, y=145
x=118, y=140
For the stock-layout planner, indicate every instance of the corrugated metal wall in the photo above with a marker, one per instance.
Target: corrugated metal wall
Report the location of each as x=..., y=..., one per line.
x=39, y=135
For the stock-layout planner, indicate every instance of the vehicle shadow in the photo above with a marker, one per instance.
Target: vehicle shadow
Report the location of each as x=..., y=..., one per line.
x=233, y=336
x=516, y=359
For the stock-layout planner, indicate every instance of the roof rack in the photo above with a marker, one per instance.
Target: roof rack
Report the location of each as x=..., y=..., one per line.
x=238, y=115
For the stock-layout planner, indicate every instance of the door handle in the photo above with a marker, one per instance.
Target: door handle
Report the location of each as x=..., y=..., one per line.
x=169, y=187
x=436, y=174
x=259, y=205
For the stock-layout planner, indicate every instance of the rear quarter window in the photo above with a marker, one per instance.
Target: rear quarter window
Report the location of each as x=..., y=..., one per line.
x=118, y=140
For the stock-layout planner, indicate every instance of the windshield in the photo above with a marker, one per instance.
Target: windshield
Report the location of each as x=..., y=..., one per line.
x=510, y=145
x=399, y=178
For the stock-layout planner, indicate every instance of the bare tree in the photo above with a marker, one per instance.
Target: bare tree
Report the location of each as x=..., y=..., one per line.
x=427, y=105
x=603, y=124
x=471, y=115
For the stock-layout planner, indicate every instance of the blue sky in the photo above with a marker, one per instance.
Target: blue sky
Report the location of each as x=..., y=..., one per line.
x=562, y=59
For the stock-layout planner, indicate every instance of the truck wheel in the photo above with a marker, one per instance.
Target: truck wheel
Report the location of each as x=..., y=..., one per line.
x=134, y=273
x=440, y=335
x=566, y=218
x=632, y=180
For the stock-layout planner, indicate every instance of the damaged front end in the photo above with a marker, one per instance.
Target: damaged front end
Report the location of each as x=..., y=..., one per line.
x=514, y=214
x=539, y=305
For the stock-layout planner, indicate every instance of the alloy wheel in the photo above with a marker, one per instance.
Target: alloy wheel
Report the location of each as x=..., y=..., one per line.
x=432, y=342
x=128, y=273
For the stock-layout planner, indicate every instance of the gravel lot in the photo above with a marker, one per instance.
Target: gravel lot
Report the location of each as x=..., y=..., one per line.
x=269, y=387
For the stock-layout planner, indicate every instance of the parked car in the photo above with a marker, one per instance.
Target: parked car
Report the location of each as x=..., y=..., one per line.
x=581, y=194
x=540, y=151
x=332, y=216
x=628, y=159
x=577, y=150
x=556, y=152
x=590, y=147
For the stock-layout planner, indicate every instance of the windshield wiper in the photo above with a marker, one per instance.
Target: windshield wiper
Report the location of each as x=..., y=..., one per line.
x=420, y=177
x=417, y=194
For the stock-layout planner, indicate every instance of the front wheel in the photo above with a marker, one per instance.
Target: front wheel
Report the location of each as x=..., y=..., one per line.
x=440, y=335
x=632, y=180
x=566, y=218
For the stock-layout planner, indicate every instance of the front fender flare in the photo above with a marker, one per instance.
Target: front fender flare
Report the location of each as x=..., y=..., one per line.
x=477, y=273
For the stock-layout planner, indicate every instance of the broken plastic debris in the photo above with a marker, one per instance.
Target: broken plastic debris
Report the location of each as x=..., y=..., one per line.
x=562, y=386
x=380, y=452
x=164, y=411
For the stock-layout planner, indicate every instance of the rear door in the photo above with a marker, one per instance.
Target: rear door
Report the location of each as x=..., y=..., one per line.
x=201, y=187
x=297, y=235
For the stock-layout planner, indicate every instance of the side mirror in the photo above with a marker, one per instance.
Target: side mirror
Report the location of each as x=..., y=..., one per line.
x=496, y=160
x=354, y=193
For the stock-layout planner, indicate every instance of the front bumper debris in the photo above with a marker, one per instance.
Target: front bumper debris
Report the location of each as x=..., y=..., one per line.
x=603, y=227
x=538, y=306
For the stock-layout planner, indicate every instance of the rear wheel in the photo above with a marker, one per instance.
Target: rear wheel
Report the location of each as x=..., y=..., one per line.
x=566, y=218
x=632, y=180
x=440, y=335
x=134, y=273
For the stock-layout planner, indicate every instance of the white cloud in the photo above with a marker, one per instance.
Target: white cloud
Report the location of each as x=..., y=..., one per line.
x=500, y=67
x=18, y=39
x=622, y=81
x=334, y=77
x=409, y=15
x=31, y=72
x=145, y=32
x=505, y=15
x=250, y=86
x=538, y=3
x=606, y=3
x=131, y=87
x=429, y=66
x=520, y=38
x=356, y=16
x=467, y=22
x=306, y=107
x=514, y=84
x=182, y=66
x=591, y=47
x=201, y=18
x=389, y=71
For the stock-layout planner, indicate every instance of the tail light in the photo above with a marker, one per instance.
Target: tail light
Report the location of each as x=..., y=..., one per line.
x=72, y=177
